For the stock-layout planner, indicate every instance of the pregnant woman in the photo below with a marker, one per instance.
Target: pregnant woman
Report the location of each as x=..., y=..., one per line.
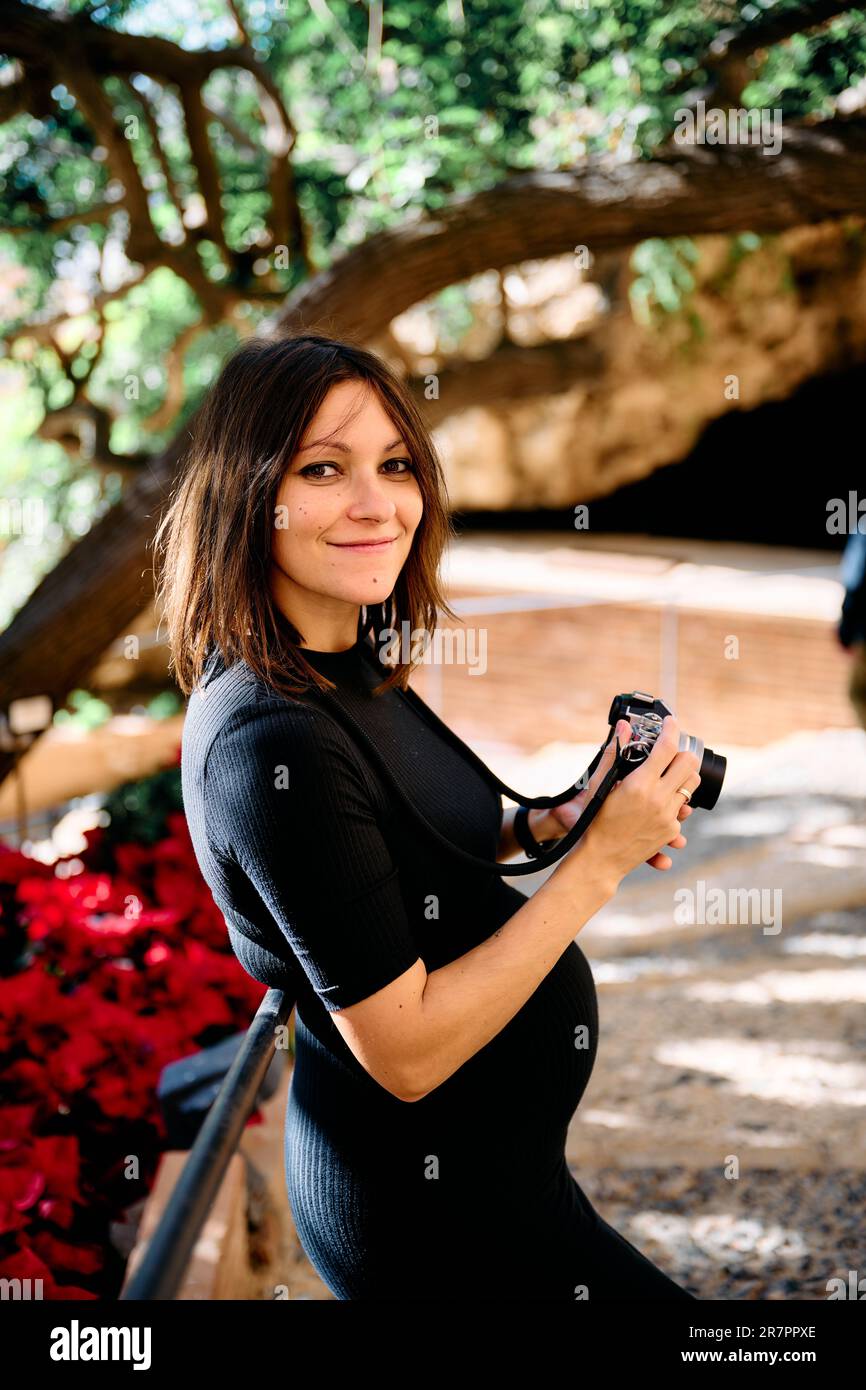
x=446, y=1024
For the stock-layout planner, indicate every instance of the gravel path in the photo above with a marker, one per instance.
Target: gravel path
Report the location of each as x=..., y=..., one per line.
x=769, y=1235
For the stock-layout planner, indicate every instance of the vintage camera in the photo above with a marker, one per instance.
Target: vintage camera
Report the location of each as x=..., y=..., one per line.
x=645, y=715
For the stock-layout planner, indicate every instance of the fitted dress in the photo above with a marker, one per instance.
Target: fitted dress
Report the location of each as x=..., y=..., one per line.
x=330, y=889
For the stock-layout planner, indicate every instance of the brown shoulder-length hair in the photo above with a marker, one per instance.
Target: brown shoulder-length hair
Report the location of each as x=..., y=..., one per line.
x=213, y=544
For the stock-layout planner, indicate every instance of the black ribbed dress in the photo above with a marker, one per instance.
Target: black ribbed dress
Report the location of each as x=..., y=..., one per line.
x=329, y=888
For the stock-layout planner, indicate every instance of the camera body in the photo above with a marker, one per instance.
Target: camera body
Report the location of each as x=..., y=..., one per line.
x=645, y=715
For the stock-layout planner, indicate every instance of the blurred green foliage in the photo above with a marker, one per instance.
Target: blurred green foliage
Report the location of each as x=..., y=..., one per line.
x=138, y=810
x=87, y=711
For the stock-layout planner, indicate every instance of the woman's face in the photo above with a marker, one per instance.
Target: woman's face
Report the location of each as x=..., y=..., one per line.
x=346, y=512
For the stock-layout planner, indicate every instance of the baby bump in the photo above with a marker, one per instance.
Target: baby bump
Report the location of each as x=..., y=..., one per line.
x=522, y=1088
x=553, y=1040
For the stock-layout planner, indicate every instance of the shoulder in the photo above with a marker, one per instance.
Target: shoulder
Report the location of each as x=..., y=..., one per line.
x=268, y=731
x=241, y=726
x=235, y=706
x=276, y=768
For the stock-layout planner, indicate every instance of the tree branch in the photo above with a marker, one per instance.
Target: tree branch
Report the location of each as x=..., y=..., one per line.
x=174, y=394
x=53, y=226
x=512, y=373
x=43, y=332
x=729, y=57
x=35, y=36
x=692, y=190
x=159, y=150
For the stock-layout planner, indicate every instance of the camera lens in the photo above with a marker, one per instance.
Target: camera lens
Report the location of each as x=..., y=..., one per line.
x=712, y=772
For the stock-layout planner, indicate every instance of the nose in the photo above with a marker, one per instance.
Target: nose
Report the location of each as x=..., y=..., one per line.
x=370, y=500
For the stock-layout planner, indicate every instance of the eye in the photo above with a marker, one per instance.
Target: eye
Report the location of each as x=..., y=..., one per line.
x=307, y=472
x=406, y=466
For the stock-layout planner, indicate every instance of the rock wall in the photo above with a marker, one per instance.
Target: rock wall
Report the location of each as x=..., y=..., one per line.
x=793, y=308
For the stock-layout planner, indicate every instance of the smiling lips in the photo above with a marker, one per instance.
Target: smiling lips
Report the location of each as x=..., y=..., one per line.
x=364, y=545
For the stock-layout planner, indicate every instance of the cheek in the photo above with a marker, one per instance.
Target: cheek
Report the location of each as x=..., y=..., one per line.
x=412, y=509
x=294, y=534
x=300, y=517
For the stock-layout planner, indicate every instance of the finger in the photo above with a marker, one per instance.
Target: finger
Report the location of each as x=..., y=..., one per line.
x=569, y=812
x=665, y=747
x=660, y=861
x=683, y=770
x=664, y=861
x=621, y=731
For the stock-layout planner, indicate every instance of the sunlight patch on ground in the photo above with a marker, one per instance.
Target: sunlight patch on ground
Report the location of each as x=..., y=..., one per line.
x=793, y=987
x=723, y=1236
x=767, y=1138
x=610, y=1119
x=852, y=836
x=629, y=968
x=830, y=856
x=802, y=1073
x=766, y=819
x=829, y=944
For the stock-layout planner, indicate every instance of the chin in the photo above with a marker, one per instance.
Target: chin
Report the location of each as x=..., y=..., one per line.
x=365, y=594
x=379, y=594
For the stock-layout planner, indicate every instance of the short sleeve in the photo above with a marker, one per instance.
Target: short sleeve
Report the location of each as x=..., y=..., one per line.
x=288, y=801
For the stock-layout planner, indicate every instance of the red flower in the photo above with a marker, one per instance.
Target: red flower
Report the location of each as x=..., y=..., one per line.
x=60, y=1254
x=15, y=866
x=19, y=1189
x=128, y=969
x=25, y=1264
x=16, y=1124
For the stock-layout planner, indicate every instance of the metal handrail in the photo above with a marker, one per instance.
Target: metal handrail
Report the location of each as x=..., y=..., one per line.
x=168, y=1251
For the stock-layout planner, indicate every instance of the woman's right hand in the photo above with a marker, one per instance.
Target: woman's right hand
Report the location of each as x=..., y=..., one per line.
x=641, y=813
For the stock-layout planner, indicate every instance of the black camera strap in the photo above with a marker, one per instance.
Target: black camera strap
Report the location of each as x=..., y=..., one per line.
x=545, y=858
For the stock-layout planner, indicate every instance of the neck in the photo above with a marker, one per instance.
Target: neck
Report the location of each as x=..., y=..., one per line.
x=322, y=629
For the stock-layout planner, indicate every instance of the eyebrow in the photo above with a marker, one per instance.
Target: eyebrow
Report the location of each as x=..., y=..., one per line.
x=344, y=448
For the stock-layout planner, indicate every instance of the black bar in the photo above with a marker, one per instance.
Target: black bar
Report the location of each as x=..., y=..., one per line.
x=168, y=1252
